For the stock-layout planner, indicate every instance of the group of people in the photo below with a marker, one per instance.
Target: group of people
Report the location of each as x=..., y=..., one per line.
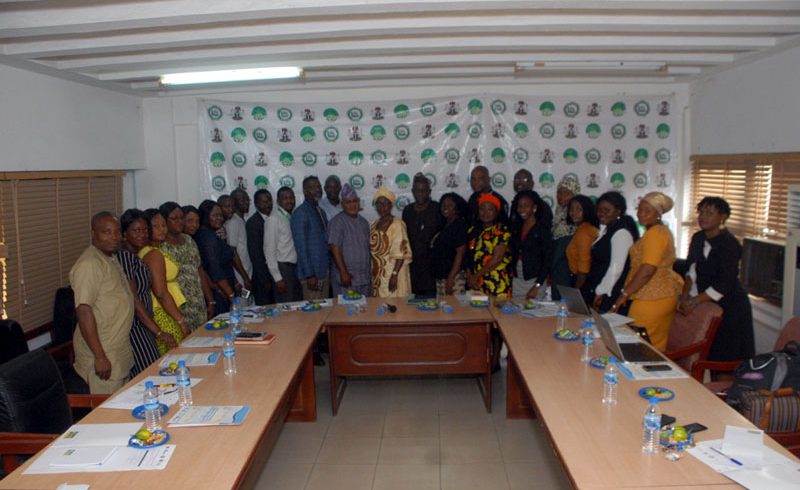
x=153, y=276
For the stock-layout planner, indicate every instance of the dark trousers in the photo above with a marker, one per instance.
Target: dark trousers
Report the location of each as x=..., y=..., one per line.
x=294, y=291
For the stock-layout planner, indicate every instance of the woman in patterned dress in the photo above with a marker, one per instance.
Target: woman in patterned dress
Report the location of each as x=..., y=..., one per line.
x=199, y=305
x=487, y=267
x=166, y=294
x=390, y=251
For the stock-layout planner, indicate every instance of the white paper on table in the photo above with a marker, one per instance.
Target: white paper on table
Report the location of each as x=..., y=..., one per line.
x=98, y=434
x=195, y=416
x=123, y=459
x=134, y=396
x=81, y=456
x=192, y=359
x=195, y=342
x=73, y=486
x=616, y=320
x=776, y=473
x=638, y=373
x=543, y=311
x=746, y=445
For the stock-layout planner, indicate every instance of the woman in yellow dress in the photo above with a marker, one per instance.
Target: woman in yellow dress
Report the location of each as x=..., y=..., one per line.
x=167, y=295
x=652, y=285
x=390, y=251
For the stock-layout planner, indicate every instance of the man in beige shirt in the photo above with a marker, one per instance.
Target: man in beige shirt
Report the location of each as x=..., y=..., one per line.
x=104, y=308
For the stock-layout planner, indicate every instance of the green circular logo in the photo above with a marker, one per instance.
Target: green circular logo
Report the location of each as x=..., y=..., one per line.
x=641, y=108
x=520, y=155
x=428, y=109
x=218, y=183
x=401, y=111
x=308, y=134
x=377, y=132
x=215, y=113
x=663, y=155
x=261, y=182
x=402, y=181
x=238, y=135
x=593, y=156
x=452, y=156
x=662, y=131
x=571, y=176
x=331, y=134
x=547, y=130
x=521, y=129
x=547, y=180
x=402, y=132
x=617, y=180
x=475, y=130
x=217, y=159
x=379, y=157
x=641, y=155
x=498, y=107
x=402, y=202
x=452, y=130
x=570, y=155
x=309, y=158
x=498, y=155
x=258, y=113
x=428, y=155
x=260, y=135
x=287, y=159
x=357, y=182
x=284, y=114
x=572, y=109
x=618, y=108
x=618, y=131
x=640, y=180
x=499, y=180
x=475, y=107
x=431, y=179
x=330, y=114
x=356, y=157
x=239, y=159
x=287, y=181
x=547, y=108
x=355, y=114
x=593, y=131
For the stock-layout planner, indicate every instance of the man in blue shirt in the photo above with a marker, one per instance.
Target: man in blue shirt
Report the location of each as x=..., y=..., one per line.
x=310, y=234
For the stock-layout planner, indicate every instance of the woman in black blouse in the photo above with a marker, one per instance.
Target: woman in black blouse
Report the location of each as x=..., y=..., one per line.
x=714, y=255
x=449, y=245
x=216, y=255
x=531, y=247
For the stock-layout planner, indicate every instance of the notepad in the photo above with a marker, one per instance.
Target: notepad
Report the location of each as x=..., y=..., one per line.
x=196, y=416
x=197, y=359
x=195, y=342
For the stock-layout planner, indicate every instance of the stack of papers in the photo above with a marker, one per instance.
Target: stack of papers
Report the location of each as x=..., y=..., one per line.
x=195, y=416
x=133, y=396
x=198, y=359
x=298, y=305
x=203, y=342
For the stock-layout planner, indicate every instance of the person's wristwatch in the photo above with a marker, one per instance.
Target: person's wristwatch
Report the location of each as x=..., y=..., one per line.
x=394, y=273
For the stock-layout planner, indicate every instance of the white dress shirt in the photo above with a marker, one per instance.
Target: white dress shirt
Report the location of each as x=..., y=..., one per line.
x=330, y=209
x=692, y=274
x=278, y=241
x=620, y=246
x=237, y=238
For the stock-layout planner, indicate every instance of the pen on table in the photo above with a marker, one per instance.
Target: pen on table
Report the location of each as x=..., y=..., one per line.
x=735, y=461
x=168, y=385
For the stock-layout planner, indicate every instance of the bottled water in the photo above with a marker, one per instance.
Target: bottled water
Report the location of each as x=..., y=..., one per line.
x=446, y=308
x=236, y=316
x=561, y=324
x=652, y=426
x=587, y=339
x=183, y=380
x=229, y=356
x=610, y=382
x=152, y=410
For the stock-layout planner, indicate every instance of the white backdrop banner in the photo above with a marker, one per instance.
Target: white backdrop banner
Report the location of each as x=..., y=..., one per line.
x=623, y=143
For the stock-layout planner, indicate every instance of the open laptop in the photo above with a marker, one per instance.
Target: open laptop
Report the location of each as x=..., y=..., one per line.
x=576, y=304
x=625, y=351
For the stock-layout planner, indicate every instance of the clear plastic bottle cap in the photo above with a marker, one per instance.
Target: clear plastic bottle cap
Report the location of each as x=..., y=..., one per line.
x=182, y=363
x=148, y=384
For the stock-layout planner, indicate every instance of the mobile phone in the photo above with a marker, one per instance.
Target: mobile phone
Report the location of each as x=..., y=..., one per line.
x=244, y=293
x=667, y=420
x=695, y=427
x=249, y=335
x=657, y=367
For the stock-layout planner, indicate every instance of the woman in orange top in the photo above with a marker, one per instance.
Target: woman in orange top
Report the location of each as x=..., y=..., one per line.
x=579, y=250
x=652, y=285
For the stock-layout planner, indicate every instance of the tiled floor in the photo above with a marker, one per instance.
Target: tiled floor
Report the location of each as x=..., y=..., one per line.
x=412, y=434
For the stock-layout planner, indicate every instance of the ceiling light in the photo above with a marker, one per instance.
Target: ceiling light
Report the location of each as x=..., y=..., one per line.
x=220, y=76
x=591, y=65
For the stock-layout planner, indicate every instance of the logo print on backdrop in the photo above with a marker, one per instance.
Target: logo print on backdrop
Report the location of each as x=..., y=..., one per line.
x=236, y=113
x=475, y=130
x=357, y=182
x=641, y=155
x=520, y=155
x=355, y=133
x=286, y=159
x=287, y=181
x=547, y=108
x=593, y=156
x=617, y=180
x=285, y=136
x=355, y=114
x=662, y=131
x=452, y=108
x=642, y=131
x=377, y=132
x=217, y=159
x=332, y=159
x=521, y=130
x=572, y=176
x=402, y=132
x=239, y=159
x=593, y=131
x=452, y=130
x=378, y=113
x=662, y=180
x=401, y=111
x=214, y=112
x=216, y=136
x=452, y=156
x=379, y=157
x=570, y=155
x=641, y=108
x=546, y=156
x=640, y=180
x=402, y=181
x=592, y=181
x=308, y=115
x=261, y=182
x=593, y=110
x=548, y=200
x=475, y=107
x=260, y=135
x=547, y=180
x=663, y=108
x=402, y=202
x=431, y=179
x=618, y=131
x=572, y=109
x=498, y=107
x=258, y=113
x=308, y=134
x=618, y=108
x=238, y=135
x=452, y=181
x=377, y=181
x=427, y=109
x=498, y=155
x=284, y=114
x=402, y=157
x=218, y=183
x=547, y=130
x=521, y=108
x=261, y=159
x=663, y=155
x=499, y=180
x=570, y=131
x=498, y=131
x=618, y=156
x=475, y=156
x=428, y=155
x=356, y=157
x=330, y=114
x=309, y=158
x=331, y=134
x=427, y=131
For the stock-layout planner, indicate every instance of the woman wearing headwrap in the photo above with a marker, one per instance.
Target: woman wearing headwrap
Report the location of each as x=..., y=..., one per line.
x=487, y=260
x=348, y=240
x=391, y=253
x=652, y=286
x=562, y=234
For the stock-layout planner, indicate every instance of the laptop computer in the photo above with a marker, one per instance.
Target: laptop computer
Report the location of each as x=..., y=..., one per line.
x=576, y=304
x=625, y=351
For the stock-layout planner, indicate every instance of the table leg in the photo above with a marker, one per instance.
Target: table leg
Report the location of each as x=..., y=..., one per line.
x=304, y=404
x=518, y=403
x=338, y=384
x=485, y=378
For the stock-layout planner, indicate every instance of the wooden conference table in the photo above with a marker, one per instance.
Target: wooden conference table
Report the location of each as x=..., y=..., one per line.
x=599, y=445
x=277, y=381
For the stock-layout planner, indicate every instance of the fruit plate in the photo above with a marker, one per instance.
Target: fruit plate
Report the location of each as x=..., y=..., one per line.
x=530, y=305
x=352, y=296
x=666, y=440
x=312, y=307
x=428, y=306
x=157, y=438
x=222, y=325
x=567, y=336
x=662, y=394
x=479, y=304
x=138, y=412
x=599, y=362
x=166, y=371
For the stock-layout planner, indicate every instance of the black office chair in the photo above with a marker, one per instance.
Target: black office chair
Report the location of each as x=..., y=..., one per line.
x=12, y=340
x=34, y=405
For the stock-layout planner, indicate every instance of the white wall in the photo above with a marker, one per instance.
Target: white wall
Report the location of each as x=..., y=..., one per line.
x=51, y=124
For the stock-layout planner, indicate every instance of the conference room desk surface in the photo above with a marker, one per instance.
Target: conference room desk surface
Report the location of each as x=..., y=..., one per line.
x=599, y=445
x=270, y=379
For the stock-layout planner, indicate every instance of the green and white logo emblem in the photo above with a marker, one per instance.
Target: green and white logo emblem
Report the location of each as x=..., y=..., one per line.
x=572, y=176
x=287, y=181
x=260, y=135
x=287, y=159
x=570, y=155
x=215, y=113
x=377, y=132
x=547, y=180
x=640, y=180
x=452, y=130
x=357, y=182
x=475, y=107
x=355, y=114
x=261, y=182
x=498, y=107
x=431, y=178
x=356, y=157
x=427, y=109
x=309, y=158
x=402, y=202
x=663, y=155
x=428, y=155
x=499, y=180
x=498, y=155
x=593, y=156
x=239, y=159
x=475, y=130
x=218, y=183
x=379, y=157
x=258, y=113
x=401, y=111
x=284, y=114
x=662, y=131
x=521, y=130
x=331, y=134
x=641, y=155
x=330, y=114
x=520, y=155
x=402, y=181
x=547, y=108
x=238, y=135
x=641, y=108
x=402, y=132
x=593, y=131
x=572, y=109
x=452, y=156
x=617, y=180
x=618, y=108
x=308, y=134
x=618, y=131
x=217, y=159
x=547, y=130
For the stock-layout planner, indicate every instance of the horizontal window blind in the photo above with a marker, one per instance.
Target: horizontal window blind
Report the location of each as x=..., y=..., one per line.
x=44, y=227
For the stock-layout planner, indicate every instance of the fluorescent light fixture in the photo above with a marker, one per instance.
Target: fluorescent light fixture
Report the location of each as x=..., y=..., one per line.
x=221, y=76
x=591, y=65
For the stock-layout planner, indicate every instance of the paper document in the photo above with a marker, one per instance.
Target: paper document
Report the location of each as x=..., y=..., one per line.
x=82, y=456
x=98, y=434
x=636, y=371
x=298, y=305
x=203, y=342
x=615, y=319
x=123, y=458
x=746, y=445
x=193, y=415
x=196, y=359
x=133, y=396
x=776, y=472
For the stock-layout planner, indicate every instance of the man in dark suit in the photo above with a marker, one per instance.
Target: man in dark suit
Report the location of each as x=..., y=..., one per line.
x=262, y=279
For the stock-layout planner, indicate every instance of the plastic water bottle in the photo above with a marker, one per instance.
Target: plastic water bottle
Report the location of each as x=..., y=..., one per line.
x=446, y=308
x=229, y=356
x=652, y=426
x=236, y=316
x=561, y=324
x=152, y=410
x=184, y=382
x=587, y=339
x=610, y=383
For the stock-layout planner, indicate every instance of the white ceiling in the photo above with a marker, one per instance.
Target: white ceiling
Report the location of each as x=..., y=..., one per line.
x=126, y=45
